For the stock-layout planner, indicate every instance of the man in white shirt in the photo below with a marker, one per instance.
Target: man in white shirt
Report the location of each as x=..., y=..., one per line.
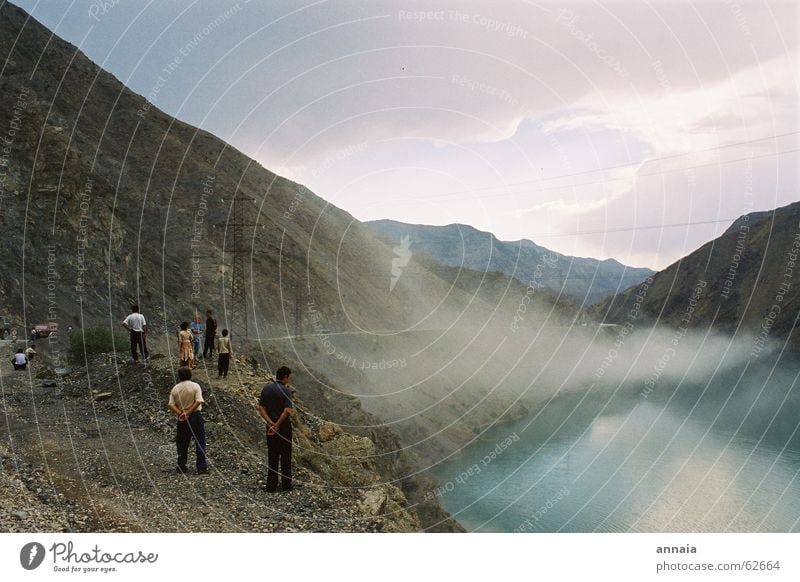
x=19, y=360
x=186, y=401
x=137, y=327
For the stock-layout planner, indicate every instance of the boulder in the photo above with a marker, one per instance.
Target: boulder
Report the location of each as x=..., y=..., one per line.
x=329, y=431
x=373, y=502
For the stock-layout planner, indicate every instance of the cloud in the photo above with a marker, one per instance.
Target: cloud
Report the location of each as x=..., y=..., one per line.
x=750, y=103
x=614, y=183
x=451, y=80
x=484, y=95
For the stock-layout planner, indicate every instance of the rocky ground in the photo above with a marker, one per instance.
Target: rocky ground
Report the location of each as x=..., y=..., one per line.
x=95, y=452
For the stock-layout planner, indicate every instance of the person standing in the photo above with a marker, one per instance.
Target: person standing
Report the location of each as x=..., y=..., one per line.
x=185, y=352
x=186, y=401
x=211, y=334
x=137, y=326
x=197, y=334
x=275, y=407
x=225, y=351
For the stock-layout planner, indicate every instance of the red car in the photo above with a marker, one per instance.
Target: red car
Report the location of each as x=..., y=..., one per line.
x=45, y=329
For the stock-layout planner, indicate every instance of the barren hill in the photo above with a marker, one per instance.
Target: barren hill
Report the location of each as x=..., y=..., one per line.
x=106, y=200
x=745, y=282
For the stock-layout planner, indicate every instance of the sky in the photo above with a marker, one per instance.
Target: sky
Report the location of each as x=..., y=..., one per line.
x=631, y=130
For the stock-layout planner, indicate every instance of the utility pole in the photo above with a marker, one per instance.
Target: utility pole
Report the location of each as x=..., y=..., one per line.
x=239, y=250
x=240, y=242
x=298, y=312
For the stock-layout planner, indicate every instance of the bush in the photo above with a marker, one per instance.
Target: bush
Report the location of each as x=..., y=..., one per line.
x=87, y=343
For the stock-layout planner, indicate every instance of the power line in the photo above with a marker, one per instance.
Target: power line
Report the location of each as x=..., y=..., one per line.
x=616, y=167
x=632, y=228
x=607, y=180
x=633, y=164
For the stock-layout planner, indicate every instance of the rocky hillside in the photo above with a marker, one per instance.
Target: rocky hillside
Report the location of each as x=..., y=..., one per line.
x=460, y=245
x=746, y=282
x=94, y=451
x=113, y=201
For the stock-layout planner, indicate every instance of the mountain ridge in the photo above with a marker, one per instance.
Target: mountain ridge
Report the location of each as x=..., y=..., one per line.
x=113, y=202
x=731, y=283
x=584, y=280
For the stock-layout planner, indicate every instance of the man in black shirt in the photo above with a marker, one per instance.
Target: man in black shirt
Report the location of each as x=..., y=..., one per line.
x=211, y=333
x=275, y=407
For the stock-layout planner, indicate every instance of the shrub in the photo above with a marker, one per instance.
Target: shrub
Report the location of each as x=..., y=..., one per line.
x=87, y=343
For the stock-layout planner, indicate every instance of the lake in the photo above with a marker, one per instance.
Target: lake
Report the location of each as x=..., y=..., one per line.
x=713, y=456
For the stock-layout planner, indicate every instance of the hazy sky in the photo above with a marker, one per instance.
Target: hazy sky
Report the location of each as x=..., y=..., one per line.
x=590, y=128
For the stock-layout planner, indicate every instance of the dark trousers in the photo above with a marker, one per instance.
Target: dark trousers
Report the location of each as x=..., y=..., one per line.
x=194, y=427
x=20, y=366
x=138, y=341
x=223, y=362
x=279, y=453
x=208, y=347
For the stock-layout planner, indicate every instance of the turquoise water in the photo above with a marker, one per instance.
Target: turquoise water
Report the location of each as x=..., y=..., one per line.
x=715, y=456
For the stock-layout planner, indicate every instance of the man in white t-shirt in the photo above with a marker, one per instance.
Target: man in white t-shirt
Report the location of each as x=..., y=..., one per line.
x=186, y=401
x=19, y=360
x=137, y=326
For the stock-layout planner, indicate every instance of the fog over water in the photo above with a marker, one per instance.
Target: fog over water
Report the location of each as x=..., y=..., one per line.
x=697, y=436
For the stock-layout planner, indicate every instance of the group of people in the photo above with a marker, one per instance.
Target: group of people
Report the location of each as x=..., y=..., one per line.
x=191, y=336
x=186, y=397
x=274, y=406
x=190, y=340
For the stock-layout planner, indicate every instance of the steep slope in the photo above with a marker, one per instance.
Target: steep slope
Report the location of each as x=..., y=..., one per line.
x=458, y=245
x=116, y=471
x=112, y=201
x=746, y=281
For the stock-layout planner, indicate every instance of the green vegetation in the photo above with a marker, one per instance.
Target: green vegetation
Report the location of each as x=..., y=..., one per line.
x=89, y=342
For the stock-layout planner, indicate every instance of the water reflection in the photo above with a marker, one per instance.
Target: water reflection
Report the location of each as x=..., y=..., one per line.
x=723, y=455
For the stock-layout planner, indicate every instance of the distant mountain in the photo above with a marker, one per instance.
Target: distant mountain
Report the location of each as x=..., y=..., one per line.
x=106, y=200
x=457, y=245
x=746, y=281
